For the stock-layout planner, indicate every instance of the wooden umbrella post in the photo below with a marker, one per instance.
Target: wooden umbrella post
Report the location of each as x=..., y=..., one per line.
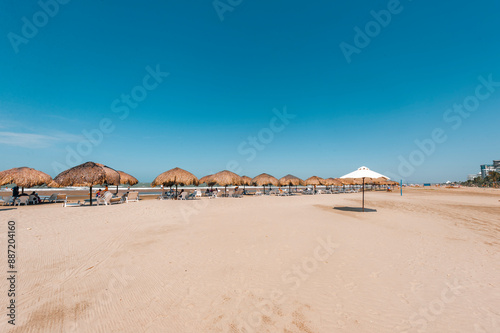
x=90, y=195
x=363, y=194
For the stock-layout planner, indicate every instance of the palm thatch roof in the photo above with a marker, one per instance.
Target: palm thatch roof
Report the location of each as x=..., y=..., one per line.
x=207, y=180
x=226, y=178
x=24, y=177
x=176, y=176
x=332, y=182
x=314, y=180
x=376, y=181
x=347, y=181
x=125, y=178
x=88, y=174
x=290, y=180
x=246, y=180
x=265, y=179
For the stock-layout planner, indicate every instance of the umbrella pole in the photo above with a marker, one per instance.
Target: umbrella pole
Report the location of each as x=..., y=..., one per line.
x=363, y=194
x=116, y=190
x=176, y=191
x=90, y=195
x=225, y=191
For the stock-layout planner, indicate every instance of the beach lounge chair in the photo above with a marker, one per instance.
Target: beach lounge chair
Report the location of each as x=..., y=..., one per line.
x=61, y=198
x=198, y=193
x=22, y=200
x=191, y=196
x=32, y=200
x=238, y=194
x=52, y=198
x=183, y=196
x=72, y=204
x=215, y=195
x=132, y=196
x=6, y=200
x=108, y=199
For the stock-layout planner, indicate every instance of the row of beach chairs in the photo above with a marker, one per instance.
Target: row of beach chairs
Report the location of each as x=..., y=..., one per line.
x=31, y=200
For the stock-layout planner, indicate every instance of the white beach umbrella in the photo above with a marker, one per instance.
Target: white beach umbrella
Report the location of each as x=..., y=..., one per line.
x=364, y=173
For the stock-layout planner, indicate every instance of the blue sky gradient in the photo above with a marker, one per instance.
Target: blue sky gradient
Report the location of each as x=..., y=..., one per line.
x=225, y=78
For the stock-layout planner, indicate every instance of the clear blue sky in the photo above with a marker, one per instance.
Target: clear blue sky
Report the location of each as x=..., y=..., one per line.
x=227, y=76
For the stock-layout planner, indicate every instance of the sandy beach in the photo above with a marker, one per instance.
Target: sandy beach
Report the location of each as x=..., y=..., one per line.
x=428, y=261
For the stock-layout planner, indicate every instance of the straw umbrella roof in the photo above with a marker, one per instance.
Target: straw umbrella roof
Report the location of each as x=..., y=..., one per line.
x=226, y=178
x=246, y=180
x=88, y=174
x=332, y=182
x=176, y=176
x=24, y=177
x=125, y=178
x=347, y=181
x=207, y=180
x=265, y=179
x=376, y=181
x=290, y=180
x=314, y=180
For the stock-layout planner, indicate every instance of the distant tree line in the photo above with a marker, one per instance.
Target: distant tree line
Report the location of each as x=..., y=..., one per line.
x=492, y=180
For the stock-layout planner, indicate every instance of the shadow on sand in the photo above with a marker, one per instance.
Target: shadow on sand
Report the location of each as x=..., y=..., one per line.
x=355, y=209
x=4, y=209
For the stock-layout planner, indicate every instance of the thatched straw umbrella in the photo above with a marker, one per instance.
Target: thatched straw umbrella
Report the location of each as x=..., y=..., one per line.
x=88, y=174
x=246, y=181
x=332, y=182
x=125, y=178
x=290, y=180
x=24, y=177
x=226, y=178
x=314, y=180
x=176, y=176
x=265, y=179
x=207, y=180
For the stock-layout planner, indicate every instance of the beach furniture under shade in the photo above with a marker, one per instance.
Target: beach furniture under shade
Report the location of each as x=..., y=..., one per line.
x=264, y=179
x=290, y=180
x=315, y=181
x=88, y=174
x=125, y=178
x=24, y=177
x=175, y=176
x=247, y=181
x=363, y=174
x=208, y=181
x=226, y=178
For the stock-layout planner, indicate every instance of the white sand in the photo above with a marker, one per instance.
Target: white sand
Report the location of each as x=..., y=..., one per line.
x=425, y=262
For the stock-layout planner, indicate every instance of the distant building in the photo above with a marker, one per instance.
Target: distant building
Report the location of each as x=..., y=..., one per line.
x=474, y=176
x=496, y=165
x=486, y=169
